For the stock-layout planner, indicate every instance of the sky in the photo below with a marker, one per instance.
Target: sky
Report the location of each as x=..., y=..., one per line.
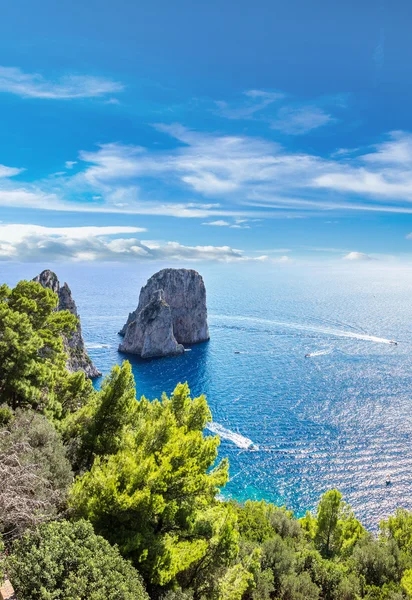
x=265, y=131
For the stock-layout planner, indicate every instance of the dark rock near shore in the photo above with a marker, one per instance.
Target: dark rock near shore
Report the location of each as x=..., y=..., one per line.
x=78, y=359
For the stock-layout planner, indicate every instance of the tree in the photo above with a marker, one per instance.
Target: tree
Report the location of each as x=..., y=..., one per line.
x=32, y=357
x=299, y=587
x=217, y=527
x=279, y=557
x=34, y=472
x=330, y=576
x=328, y=532
x=155, y=495
x=63, y=560
x=406, y=582
x=376, y=561
x=399, y=528
x=337, y=530
x=260, y=521
x=254, y=520
x=97, y=428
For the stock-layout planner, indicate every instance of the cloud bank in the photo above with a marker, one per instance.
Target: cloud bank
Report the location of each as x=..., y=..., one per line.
x=357, y=257
x=34, y=243
x=33, y=85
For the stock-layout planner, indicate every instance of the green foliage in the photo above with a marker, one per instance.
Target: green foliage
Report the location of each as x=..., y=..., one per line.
x=73, y=390
x=67, y=561
x=330, y=576
x=148, y=483
x=235, y=582
x=406, y=582
x=328, y=532
x=32, y=357
x=335, y=529
x=399, y=528
x=254, y=521
x=6, y=415
x=299, y=587
x=264, y=585
x=279, y=557
x=178, y=595
x=376, y=561
x=154, y=492
x=97, y=428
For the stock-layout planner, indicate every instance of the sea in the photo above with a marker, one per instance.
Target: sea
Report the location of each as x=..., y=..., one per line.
x=291, y=425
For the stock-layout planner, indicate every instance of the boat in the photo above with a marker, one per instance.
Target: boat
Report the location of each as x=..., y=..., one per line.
x=388, y=480
x=393, y=342
x=237, y=352
x=307, y=355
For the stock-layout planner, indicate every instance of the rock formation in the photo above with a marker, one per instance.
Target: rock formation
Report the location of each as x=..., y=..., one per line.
x=171, y=312
x=78, y=359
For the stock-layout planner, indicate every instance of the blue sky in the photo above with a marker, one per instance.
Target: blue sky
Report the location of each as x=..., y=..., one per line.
x=235, y=131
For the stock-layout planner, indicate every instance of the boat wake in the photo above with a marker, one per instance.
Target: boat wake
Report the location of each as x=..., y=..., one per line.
x=302, y=327
x=319, y=353
x=95, y=346
x=239, y=440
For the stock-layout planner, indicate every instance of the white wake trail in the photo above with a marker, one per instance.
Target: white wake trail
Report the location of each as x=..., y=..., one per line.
x=95, y=346
x=319, y=353
x=303, y=327
x=238, y=439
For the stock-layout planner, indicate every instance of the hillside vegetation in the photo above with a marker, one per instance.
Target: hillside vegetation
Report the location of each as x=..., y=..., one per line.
x=109, y=497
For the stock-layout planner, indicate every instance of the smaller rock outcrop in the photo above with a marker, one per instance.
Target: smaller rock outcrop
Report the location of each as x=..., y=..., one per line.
x=78, y=359
x=171, y=312
x=150, y=334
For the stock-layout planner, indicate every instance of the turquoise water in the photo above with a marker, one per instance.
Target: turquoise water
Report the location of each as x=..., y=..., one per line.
x=342, y=418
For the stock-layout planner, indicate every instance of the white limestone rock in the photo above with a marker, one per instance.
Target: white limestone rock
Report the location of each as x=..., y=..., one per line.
x=171, y=311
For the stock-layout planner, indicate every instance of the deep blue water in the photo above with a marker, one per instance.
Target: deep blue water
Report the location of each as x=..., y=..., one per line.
x=340, y=419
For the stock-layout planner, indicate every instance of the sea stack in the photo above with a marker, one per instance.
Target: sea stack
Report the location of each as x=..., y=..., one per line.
x=171, y=312
x=78, y=359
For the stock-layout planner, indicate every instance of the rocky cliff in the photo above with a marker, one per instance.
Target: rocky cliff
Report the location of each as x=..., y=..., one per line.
x=78, y=359
x=171, y=312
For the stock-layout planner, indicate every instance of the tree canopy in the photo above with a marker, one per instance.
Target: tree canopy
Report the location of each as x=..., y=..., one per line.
x=67, y=561
x=146, y=504
x=152, y=485
x=32, y=356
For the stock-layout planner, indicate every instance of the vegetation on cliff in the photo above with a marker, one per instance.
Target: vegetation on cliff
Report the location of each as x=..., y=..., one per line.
x=105, y=496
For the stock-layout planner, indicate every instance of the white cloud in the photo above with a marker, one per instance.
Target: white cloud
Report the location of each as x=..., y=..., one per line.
x=112, y=162
x=223, y=165
x=283, y=259
x=33, y=85
x=357, y=257
x=9, y=171
x=237, y=224
x=387, y=172
x=396, y=150
x=300, y=120
x=239, y=177
x=17, y=232
x=109, y=203
x=207, y=183
x=292, y=119
x=33, y=243
x=69, y=164
x=219, y=223
x=256, y=101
